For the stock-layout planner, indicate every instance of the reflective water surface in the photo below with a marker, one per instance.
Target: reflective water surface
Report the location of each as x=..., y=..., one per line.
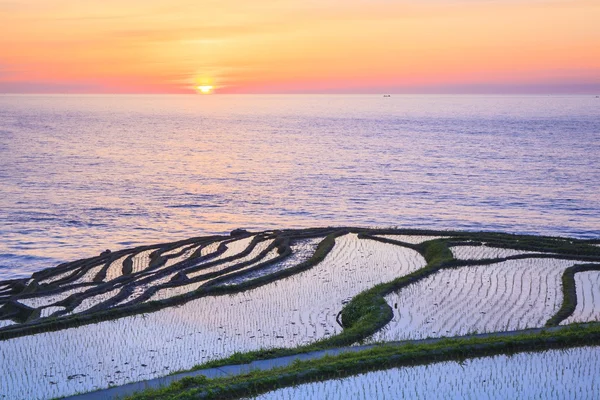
x=79, y=174
x=552, y=374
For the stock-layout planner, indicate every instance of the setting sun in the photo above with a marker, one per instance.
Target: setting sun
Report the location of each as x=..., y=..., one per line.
x=268, y=46
x=205, y=89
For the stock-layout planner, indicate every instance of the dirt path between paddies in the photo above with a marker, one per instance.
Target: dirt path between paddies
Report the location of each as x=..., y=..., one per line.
x=119, y=392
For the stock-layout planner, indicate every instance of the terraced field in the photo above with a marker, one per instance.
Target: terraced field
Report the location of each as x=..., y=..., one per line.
x=587, y=285
x=141, y=313
x=521, y=376
x=506, y=296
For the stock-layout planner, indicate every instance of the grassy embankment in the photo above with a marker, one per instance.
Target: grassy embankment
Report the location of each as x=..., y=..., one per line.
x=378, y=358
x=97, y=315
x=368, y=312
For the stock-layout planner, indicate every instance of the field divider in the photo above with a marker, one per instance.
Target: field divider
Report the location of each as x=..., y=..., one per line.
x=368, y=312
x=252, y=378
x=570, y=292
x=55, y=324
x=364, y=315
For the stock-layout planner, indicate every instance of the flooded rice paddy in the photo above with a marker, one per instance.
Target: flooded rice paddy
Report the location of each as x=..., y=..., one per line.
x=552, y=374
x=179, y=304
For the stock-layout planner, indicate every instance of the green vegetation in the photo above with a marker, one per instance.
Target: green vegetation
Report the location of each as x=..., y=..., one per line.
x=361, y=317
x=104, y=314
x=369, y=312
x=377, y=358
x=569, y=292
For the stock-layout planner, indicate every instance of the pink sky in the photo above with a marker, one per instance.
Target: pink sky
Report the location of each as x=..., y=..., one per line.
x=276, y=46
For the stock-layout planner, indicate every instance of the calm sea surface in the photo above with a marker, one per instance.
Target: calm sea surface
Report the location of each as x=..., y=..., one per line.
x=79, y=174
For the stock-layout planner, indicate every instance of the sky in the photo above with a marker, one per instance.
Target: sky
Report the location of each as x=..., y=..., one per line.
x=308, y=46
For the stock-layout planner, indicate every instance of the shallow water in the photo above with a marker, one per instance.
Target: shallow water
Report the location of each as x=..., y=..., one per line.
x=79, y=174
x=552, y=374
x=506, y=296
x=287, y=313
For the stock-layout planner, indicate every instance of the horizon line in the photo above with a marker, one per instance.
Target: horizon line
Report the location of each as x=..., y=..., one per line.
x=299, y=94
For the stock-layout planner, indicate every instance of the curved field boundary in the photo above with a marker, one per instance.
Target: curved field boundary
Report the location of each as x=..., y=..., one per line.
x=364, y=315
x=569, y=292
x=506, y=296
x=73, y=270
x=548, y=244
x=177, y=280
x=14, y=310
x=368, y=312
x=235, y=381
x=84, y=266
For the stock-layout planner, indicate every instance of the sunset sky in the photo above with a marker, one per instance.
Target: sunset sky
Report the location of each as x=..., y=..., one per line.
x=309, y=46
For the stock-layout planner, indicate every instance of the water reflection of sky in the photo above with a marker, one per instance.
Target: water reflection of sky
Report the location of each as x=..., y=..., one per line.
x=83, y=173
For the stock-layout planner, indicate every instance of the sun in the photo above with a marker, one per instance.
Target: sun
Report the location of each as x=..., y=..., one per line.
x=205, y=89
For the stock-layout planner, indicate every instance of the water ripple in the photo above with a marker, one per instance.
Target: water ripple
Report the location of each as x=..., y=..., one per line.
x=80, y=174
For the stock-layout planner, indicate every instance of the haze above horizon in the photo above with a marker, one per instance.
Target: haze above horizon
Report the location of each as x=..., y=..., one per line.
x=276, y=46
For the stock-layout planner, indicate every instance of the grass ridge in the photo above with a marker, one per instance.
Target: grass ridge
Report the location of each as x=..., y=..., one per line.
x=570, y=292
x=378, y=358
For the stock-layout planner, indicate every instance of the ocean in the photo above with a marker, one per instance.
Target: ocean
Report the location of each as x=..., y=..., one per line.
x=83, y=173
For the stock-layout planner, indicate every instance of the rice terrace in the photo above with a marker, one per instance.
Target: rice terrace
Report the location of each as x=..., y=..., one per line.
x=417, y=312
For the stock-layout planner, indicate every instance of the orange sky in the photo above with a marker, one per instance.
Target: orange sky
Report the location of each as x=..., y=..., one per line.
x=310, y=46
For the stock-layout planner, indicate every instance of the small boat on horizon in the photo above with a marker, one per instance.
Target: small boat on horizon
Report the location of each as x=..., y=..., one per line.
x=389, y=95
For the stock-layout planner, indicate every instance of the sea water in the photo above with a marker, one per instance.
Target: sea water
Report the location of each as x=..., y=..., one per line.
x=83, y=173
